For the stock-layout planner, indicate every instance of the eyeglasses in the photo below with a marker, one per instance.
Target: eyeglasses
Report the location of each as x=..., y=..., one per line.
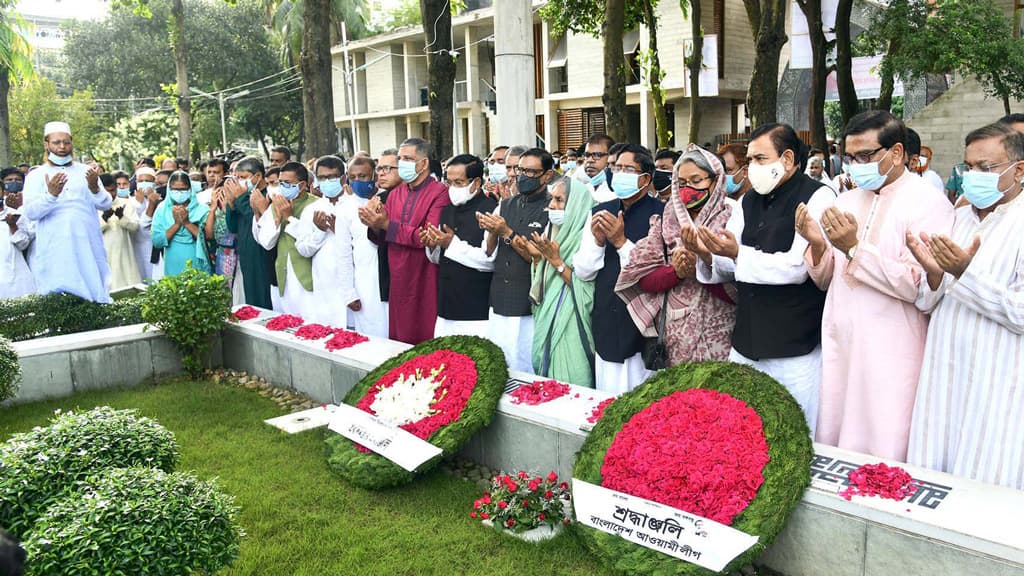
x=626, y=169
x=382, y=169
x=61, y=142
x=695, y=182
x=985, y=168
x=530, y=172
x=861, y=157
x=594, y=155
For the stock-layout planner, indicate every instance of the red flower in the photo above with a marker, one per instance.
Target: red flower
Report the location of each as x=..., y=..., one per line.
x=523, y=475
x=246, y=313
x=548, y=495
x=540, y=516
x=539, y=392
x=563, y=486
x=510, y=522
x=598, y=411
x=565, y=521
x=701, y=451
x=552, y=477
x=472, y=514
x=502, y=504
x=283, y=322
x=344, y=339
x=890, y=482
x=485, y=515
x=313, y=332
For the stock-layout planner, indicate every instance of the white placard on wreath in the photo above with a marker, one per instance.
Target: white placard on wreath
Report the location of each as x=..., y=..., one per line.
x=391, y=442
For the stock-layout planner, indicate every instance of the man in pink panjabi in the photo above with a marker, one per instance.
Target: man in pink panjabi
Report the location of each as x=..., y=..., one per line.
x=873, y=328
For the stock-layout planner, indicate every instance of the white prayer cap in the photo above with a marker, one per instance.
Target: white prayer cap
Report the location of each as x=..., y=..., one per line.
x=145, y=171
x=56, y=127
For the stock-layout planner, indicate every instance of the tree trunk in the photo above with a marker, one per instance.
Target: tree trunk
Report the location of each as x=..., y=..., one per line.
x=437, y=31
x=654, y=75
x=884, y=101
x=768, y=21
x=5, y=118
x=615, y=70
x=315, y=65
x=695, y=64
x=848, y=104
x=181, y=69
x=819, y=71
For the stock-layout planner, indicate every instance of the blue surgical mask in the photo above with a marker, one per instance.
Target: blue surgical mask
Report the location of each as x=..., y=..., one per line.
x=196, y=186
x=407, y=170
x=145, y=185
x=556, y=217
x=982, y=188
x=731, y=185
x=60, y=160
x=331, y=187
x=123, y=192
x=625, y=185
x=289, y=191
x=867, y=176
x=180, y=196
x=568, y=165
x=361, y=188
x=496, y=173
x=598, y=179
x=246, y=183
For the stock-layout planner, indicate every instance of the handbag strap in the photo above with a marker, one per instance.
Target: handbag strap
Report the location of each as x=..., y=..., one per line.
x=660, y=326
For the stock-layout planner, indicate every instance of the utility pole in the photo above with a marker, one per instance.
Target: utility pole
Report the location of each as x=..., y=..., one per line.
x=350, y=84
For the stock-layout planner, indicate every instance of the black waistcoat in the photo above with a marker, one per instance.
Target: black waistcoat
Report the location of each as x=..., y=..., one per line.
x=616, y=337
x=777, y=321
x=510, y=285
x=462, y=292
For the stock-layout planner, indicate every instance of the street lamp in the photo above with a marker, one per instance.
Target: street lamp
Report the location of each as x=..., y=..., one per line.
x=220, y=98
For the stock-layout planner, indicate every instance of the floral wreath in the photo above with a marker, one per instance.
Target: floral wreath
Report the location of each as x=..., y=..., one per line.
x=443, y=391
x=738, y=425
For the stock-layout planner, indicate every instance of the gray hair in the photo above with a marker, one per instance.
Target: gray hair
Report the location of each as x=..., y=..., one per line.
x=696, y=157
x=423, y=148
x=390, y=152
x=516, y=151
x=1012, y=141
x=815, y=161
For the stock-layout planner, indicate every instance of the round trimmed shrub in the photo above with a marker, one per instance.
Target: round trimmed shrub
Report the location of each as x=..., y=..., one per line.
x=10, y=370
x=137, y=521
x=786, y=475
x=39, y=467
x=373, y=471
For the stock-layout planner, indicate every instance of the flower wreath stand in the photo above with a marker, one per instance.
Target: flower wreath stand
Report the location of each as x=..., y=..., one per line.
x=441, y=391
x=720, y=442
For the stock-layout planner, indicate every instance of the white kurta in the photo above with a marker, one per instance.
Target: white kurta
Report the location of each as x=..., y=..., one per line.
x=372, y=319
x=332, y=265
x=967, y=412
x=801, y=375
x=117, y=240
x=15, y=277
x=142, y=239
x=514, y=335
x=296, y=300
x=69, y=255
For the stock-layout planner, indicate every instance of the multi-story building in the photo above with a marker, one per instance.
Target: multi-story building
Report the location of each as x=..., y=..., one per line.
x=383, y=99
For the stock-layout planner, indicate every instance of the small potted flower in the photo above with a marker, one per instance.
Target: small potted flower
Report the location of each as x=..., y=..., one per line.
x=528, y=508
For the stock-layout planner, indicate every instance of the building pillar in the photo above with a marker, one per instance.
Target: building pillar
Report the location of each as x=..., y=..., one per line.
x=514, y=74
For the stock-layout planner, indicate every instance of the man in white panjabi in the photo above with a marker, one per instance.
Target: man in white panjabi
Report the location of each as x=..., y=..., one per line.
x=16, y=234
x=966, y=418
x=147, y=200
x=117, y=224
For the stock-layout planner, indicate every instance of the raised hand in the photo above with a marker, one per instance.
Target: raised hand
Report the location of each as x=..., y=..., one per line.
x=807, y=227
x=55, y=185
x=721, y=243
x=952, y=258
x=493, y=223
x=923, y=254
x=548, y=248
x=684, y=263
x=841, y=228
x=320, y=221
x=282, y=207
x=526, y=249
x=690, y=237
x=13, y=201
x=92, y=178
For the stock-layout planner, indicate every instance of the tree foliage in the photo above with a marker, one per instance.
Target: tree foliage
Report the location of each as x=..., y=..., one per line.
x=33, y=103
x=285, y=18
x=586, y=16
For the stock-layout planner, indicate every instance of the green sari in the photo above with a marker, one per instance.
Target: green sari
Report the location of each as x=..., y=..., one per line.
x=563, y=343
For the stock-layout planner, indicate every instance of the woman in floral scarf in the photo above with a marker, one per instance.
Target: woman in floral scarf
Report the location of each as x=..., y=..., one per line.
x=700, y=318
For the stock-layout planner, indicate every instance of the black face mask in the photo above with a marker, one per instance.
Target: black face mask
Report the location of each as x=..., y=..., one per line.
x=13, y=187
x=527, y=184
x=662, y=179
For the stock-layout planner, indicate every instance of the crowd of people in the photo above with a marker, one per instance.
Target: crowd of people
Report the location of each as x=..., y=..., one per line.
x=892, y=311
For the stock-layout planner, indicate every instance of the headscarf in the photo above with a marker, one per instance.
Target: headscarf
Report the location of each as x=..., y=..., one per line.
x=649, y=253
x=163, y=219
x=556, y=314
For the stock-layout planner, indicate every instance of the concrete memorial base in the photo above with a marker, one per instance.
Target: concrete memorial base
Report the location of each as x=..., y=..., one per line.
x=948, y=526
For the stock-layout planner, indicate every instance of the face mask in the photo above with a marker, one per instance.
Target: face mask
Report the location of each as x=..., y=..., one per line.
x=123, y=192
x=331, y=187
x=59, y=160
x=556, y=217
x=731, y=185
x=196, y=186
x=289, y=191
x=145, y=185
x=568, y=165
x=13, y=187
x=922, y=164
x=625, y=185
x=765, y=177
x=180, y=196
x=866, y=176
x=496, y=173
x=361, y=188
x=694, y=197
x=246, y=183
x=662, y=179
x=598, y=179
x=407, y=170
x=273, y=190
x=527, y=185
x=459, y=195
x=982, y=188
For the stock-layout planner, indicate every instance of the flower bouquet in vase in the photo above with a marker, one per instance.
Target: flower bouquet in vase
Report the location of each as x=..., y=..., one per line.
x=529, y=508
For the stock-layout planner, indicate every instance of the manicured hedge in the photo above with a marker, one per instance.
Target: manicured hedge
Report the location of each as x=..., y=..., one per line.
x=55, y=314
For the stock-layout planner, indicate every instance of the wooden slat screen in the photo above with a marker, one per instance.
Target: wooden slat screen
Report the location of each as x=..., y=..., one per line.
x=576, y=125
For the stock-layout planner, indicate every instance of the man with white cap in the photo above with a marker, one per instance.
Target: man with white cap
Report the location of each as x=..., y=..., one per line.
x=63, y=197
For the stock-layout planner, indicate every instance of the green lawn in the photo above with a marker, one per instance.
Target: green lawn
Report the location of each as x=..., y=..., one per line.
x=300, y=518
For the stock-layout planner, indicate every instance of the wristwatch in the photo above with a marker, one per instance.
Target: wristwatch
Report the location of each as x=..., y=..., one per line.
x=508, y=240
x=561, y=268
x=852, y=252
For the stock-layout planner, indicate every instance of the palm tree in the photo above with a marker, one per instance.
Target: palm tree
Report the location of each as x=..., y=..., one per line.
x=15, y=63
x=285, y=18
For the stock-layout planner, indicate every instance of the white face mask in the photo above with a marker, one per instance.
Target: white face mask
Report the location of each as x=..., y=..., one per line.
x=459, y=195
x=765, y=177
x=556, y=217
